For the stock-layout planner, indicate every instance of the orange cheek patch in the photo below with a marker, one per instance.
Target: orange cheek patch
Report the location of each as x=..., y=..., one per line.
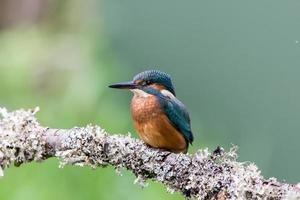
x=157, y=87
x=138, y=82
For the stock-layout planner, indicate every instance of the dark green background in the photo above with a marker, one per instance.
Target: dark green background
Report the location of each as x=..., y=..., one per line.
x=235, y=64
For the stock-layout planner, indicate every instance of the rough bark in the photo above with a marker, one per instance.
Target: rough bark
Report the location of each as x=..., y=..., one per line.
x=202, y=175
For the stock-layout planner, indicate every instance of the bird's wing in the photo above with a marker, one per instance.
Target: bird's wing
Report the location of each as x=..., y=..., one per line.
x=178, y=116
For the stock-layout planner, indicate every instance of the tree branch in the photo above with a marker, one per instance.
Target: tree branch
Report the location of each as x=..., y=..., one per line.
x=202, y=175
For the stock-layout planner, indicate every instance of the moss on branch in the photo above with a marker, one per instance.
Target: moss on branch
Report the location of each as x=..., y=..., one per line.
x=202, y=175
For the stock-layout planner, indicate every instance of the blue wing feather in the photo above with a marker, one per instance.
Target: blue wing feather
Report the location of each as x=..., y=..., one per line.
x=179, y=117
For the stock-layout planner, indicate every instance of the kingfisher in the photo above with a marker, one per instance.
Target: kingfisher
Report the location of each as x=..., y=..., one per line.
x=159, y=118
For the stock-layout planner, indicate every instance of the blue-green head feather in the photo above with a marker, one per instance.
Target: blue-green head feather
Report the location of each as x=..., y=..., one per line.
x=156, y=77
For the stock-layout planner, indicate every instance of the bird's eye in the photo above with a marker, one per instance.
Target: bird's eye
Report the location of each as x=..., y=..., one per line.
x=144, y=83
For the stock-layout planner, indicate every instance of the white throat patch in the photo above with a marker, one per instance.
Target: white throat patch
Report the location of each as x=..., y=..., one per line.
x=167, y=93
x=140, y=93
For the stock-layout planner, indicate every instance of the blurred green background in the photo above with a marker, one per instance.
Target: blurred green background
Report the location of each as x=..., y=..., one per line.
x=235, y=64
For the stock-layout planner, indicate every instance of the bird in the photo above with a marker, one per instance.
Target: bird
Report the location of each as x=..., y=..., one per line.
x=159, y=118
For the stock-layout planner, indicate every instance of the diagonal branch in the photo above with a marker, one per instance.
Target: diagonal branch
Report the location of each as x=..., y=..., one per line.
x=202, y=175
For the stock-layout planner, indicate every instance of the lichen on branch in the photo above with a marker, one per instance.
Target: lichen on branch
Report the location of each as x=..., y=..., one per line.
x=202, y=175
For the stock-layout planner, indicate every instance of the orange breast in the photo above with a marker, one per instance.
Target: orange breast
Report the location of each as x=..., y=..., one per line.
x=153, y=127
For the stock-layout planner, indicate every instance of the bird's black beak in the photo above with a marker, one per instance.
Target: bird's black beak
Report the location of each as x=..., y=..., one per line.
x=125, y=85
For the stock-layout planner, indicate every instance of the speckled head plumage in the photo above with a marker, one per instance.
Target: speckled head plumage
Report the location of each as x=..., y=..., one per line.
x=148, y=79
x=155, y=77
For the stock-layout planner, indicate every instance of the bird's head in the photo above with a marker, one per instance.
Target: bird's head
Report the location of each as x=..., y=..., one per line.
x=148, y=79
